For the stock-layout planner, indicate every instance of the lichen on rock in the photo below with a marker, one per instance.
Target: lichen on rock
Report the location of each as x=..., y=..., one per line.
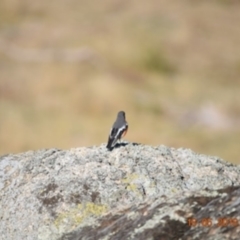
x=133, y=192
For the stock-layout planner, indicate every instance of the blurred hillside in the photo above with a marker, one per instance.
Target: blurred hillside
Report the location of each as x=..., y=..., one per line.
x=68, y=67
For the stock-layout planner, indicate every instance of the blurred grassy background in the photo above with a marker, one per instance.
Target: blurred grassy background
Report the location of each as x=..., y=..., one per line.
x=67, y=67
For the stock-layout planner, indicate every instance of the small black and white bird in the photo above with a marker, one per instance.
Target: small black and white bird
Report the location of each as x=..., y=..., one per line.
x=119, y=130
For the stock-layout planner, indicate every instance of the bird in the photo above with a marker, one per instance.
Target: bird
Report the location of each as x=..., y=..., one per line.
x=118, y=130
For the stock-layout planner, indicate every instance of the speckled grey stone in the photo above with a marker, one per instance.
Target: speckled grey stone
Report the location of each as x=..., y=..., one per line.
x=49, y=194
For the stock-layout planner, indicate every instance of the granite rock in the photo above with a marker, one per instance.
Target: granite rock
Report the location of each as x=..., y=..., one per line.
x=132, y=192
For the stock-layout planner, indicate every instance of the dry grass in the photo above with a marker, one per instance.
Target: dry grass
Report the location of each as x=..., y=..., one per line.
x=66, y=68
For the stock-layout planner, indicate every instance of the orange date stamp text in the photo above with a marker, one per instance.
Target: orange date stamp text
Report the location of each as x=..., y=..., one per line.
x=208, y=222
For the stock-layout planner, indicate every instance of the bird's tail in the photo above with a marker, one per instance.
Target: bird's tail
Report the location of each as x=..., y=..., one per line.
x=111, y=143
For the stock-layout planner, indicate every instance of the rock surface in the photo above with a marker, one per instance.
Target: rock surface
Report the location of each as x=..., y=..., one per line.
x=133, y=192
